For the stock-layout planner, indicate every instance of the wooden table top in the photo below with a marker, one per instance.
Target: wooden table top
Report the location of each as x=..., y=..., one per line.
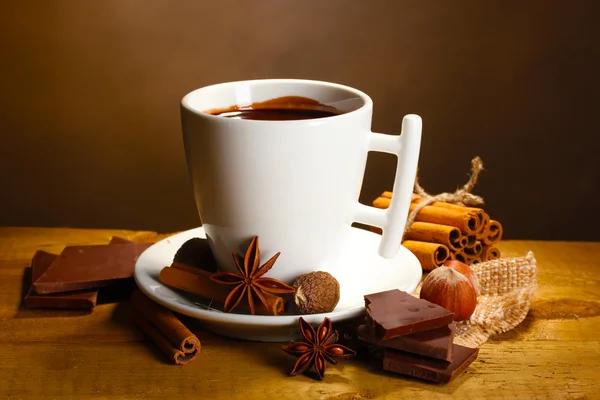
x=554, y=353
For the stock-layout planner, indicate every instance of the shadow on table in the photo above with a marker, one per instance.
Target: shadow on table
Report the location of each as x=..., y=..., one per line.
x=122, y=314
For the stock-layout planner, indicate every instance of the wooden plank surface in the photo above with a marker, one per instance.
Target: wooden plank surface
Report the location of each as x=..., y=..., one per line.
x=554, y=353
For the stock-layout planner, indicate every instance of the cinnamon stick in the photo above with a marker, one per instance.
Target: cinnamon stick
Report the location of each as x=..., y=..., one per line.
x=193, y=281
x=474, y=260
x=472, y=210
x=194, y=270
x=381, y=202
x=388, y=195
x=481, y=214
x=493, y=233
x=475, y=250
x=484, y=226
x=466, y=222
x=471, y=239
x=197, y=281
x=430, y=255
x=166, y=331
x=490, y=253
x=458, y=255
x=449, y=236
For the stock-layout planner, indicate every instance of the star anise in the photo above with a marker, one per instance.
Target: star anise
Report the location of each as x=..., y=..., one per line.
x=320, y=346
x=250, y=282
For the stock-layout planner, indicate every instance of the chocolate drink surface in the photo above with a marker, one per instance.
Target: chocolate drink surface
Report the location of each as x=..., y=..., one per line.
x=287, y=108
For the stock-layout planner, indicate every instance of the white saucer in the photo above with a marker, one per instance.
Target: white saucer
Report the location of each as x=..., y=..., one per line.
x=366, y=272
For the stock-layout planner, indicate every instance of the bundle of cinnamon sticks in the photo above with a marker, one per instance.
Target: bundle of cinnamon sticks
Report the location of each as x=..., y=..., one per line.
x=443, y=231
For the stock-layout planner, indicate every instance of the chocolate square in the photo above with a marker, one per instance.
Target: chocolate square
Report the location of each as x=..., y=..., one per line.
x=429, y=369
x=89, y=267
x=79, y=300
x=434, y=343
x=396, y=313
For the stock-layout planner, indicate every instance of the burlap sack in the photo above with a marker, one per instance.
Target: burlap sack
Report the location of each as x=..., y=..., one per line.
x=507, y=288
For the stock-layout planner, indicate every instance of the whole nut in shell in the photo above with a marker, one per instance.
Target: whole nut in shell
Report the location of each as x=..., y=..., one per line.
x=316, y=292
x=452, y=290
x=466, y=271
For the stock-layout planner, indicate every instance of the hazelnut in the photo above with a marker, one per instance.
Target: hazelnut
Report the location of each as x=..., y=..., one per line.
x=465, y=270
x=316, y=292
x=452, y=290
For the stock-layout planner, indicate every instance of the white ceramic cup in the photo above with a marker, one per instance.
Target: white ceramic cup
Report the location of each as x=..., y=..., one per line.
x=295, y=184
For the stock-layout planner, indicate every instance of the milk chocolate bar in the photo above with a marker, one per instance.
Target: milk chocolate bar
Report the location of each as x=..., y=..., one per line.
x=429, y=369
x=90, y=267
x=434, y=343
x=396, y=313
x=79, y=300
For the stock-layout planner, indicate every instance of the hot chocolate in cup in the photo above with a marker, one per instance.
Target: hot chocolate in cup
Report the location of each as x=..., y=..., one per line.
x=284, y=160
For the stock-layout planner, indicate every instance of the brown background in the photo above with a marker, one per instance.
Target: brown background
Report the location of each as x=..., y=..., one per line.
x=90, y=100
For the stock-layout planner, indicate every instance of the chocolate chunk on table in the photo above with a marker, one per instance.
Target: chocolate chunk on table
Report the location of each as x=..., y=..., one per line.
x=80, y=300
x=89, y=267
x=434, y=343
x=396, y=313
x=429, y=369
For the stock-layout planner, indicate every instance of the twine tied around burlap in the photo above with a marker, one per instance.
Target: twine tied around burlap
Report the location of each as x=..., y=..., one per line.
x=507, y=285
x=462, y=196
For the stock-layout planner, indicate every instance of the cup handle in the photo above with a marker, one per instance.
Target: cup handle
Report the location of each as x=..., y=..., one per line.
x=393, y=219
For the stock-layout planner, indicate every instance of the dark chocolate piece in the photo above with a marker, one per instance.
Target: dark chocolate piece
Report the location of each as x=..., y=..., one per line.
x=429, y=369
x=79, y=300
x=196, y=253
x=89, y=267
x=40, y=262
x=396, y=313
x=434, y=343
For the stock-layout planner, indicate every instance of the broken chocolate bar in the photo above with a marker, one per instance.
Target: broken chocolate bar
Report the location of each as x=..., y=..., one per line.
x=79, y=300
x=89, y=267
x=396, y=313
x=434, y=343
x=429, y=369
